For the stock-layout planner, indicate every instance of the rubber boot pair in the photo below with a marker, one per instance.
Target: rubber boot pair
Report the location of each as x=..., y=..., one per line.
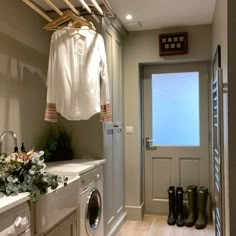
x=175, y=215
x=197, y=201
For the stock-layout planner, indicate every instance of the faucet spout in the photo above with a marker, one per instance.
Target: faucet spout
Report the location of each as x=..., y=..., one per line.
x=13, y=136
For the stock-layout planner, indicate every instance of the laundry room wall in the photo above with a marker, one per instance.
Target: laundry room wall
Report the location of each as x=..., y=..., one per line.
x=87, y=138
x=24, y=47
x=24, y=50
x=143, y=47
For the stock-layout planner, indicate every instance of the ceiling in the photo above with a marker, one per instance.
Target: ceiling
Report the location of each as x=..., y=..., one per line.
x=155, y=14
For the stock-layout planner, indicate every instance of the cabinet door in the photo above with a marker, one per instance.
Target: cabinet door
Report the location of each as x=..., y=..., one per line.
x=118, y=170
x=113, y=132
x=118, y=129
x=108, y=40
x=53, y=232
x=108, y=174
x=117, y=80
x=68, y=227
x=114, y=53
x=108, y=139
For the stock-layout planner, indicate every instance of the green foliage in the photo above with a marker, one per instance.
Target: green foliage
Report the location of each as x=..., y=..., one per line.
x=25, y=172
x=57, y=145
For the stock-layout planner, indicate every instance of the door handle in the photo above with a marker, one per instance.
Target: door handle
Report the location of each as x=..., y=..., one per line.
x=149, y=142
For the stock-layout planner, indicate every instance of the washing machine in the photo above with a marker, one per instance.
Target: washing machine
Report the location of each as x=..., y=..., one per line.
x=91, y=203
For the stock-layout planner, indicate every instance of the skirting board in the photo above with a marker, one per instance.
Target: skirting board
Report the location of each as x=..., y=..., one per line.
x=135, y=212
x=117, y=226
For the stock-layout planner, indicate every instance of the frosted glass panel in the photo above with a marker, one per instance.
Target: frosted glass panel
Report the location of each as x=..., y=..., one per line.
x=175, y=109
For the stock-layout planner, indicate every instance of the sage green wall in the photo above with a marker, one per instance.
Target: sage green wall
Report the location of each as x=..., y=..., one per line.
x=142, y=47
x=24, y=50
x=219, y=32
x=87, y=137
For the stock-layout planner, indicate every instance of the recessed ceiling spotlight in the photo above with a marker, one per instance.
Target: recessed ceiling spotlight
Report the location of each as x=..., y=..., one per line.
x=129, y=17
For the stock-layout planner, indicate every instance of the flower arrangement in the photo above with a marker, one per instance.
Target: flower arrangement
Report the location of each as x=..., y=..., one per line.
x=25, y=172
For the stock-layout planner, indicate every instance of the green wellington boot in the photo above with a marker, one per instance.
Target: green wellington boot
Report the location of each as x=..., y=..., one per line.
x=202, y=203
x=179, y=207
x=171, y=216
x=192, y=205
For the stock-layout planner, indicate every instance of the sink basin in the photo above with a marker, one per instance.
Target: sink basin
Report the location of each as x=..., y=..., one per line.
x=53, y=206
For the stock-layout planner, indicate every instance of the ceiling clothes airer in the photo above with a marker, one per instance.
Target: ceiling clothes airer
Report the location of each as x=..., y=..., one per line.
x=77, y=79
x=97, y=6
x=54, y=7
x=70, y=5
x=36, y=9
x=88, y=8
x=68, y=15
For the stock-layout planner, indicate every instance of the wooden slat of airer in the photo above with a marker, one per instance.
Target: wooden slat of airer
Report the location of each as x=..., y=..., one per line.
x=40, y=12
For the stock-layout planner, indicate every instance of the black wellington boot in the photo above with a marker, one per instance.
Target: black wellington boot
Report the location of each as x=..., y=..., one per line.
x=179, y=206
x=171, y=216
x=202, y=203
x=192, y=205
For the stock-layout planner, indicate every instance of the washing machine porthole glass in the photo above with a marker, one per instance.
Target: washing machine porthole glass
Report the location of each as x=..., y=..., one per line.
x=93, y=211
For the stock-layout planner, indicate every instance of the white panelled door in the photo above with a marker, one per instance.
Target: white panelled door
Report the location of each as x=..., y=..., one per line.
x=175, y=130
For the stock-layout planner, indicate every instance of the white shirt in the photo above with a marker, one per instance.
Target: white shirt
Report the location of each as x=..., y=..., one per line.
x=77, y=79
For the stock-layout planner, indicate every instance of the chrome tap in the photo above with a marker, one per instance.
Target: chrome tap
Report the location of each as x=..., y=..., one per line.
x=13, y=136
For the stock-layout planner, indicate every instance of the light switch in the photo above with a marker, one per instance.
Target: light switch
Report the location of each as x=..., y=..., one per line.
x=129, y=129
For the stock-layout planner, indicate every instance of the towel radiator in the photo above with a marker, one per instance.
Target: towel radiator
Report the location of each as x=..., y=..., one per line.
x=217, y=149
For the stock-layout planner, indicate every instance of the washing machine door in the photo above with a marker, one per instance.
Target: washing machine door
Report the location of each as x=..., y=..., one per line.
x=93, y=212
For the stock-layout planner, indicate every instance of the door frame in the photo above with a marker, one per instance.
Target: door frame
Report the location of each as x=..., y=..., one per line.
x=143, y=141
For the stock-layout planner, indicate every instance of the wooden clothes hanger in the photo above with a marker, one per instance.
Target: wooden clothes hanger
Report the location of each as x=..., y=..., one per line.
x=68, y=15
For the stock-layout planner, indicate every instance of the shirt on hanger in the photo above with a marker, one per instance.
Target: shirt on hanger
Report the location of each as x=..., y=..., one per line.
x=77, y=79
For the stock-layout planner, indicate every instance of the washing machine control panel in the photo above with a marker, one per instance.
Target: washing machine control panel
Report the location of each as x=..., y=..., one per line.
x=90, y=178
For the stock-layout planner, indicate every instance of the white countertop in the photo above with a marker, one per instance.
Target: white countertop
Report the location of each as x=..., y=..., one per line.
x=73, y=167
x=8, y=202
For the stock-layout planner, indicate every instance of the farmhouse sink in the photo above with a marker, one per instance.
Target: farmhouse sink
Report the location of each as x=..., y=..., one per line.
x=55, y=205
